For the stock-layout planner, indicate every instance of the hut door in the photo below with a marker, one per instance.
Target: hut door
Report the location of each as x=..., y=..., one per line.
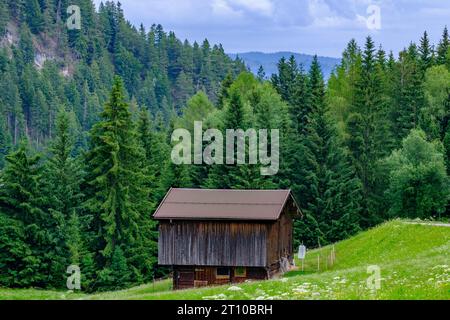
x=185, y=278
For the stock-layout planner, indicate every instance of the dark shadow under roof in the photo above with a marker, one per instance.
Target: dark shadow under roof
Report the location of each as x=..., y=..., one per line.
x=203, y=204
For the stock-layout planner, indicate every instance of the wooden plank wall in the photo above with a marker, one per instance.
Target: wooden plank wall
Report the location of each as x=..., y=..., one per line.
x=183, y=278
x=190, y=276
x=280, y=240
x=210, y=243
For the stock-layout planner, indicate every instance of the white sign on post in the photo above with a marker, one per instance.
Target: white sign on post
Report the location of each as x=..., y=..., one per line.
x=301, y=255
x=301, y=252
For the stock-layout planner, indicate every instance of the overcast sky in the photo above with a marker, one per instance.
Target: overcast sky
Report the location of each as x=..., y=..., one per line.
x=306, y=26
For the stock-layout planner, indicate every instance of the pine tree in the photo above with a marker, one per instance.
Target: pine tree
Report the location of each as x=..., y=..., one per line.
x=219, y=175
x=363, y=127
x=28, y=260
x=408, y=93
x=150, y=141
x=64, y=198
x=443, y=47
x=34, y=16
x=118, y=274
x=64, y=171
x=227, y=176
x=261, y=74
x=4, y=17
x=16, y=255
x=224, y=95
x=426, y=52
x=328, y=178
x=5, y=143
x=119, y=198
x=342, y=83
x=26, y=52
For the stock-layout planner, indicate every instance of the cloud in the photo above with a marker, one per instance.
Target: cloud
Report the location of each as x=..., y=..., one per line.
x=223, y=8
x=348, y=8
x=268, y=13
x=291, y=13
x=238, y=9
x=263, y=7
x=322, y=26
x=333, y=14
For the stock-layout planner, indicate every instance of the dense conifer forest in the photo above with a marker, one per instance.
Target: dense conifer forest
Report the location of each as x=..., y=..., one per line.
x=86, y=118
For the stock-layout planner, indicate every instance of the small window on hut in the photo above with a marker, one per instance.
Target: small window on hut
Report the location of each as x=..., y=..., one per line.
x=240, y=272
x=223, y=273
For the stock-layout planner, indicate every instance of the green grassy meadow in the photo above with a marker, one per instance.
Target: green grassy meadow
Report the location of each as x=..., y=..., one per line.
x=414, y=262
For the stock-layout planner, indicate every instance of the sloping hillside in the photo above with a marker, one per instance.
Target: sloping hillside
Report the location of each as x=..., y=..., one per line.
x=414, y=261
x=45, y=65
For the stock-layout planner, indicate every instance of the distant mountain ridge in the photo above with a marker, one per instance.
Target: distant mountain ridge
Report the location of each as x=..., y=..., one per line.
x=269, y=61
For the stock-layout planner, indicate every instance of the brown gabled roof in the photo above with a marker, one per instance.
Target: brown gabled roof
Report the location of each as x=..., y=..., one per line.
x=202, y=204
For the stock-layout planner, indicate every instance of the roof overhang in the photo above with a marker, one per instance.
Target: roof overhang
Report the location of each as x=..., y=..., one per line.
x=224, y=205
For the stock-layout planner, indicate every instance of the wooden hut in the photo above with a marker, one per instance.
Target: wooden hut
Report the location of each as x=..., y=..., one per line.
x=214, y=237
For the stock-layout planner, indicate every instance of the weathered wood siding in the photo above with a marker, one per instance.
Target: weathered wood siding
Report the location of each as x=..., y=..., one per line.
x=281, y=238
x=198, y=243
x=280, y=244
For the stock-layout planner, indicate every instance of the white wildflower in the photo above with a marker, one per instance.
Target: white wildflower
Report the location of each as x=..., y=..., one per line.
x=234, y=288
x=300, y=290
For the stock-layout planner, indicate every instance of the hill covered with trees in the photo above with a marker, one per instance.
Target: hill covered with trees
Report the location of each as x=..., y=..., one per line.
x=268, y=61
x=86, y=128
x=45, y=65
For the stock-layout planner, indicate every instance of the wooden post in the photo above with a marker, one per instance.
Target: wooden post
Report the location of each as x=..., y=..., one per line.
x=334, y=255
x=318, y=262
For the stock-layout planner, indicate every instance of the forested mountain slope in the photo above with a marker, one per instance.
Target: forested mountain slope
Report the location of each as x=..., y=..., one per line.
x=269, y=61
x=45, y=65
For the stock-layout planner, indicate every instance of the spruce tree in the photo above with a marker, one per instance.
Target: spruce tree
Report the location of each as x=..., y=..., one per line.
x=119, y=198
x=426, y=52
x=64, y=198
x=364, y=125
x=331, y=191
x=65, y=173
x=408, y=93
x=443, y=47
x=235, y=116
x=223, y=95
x=153, y=139
x=17, y=260
x=261, y=74
x=29, y=260
x=34, y=16
x=221, y=176
x=5, y=143
x=4, y=17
